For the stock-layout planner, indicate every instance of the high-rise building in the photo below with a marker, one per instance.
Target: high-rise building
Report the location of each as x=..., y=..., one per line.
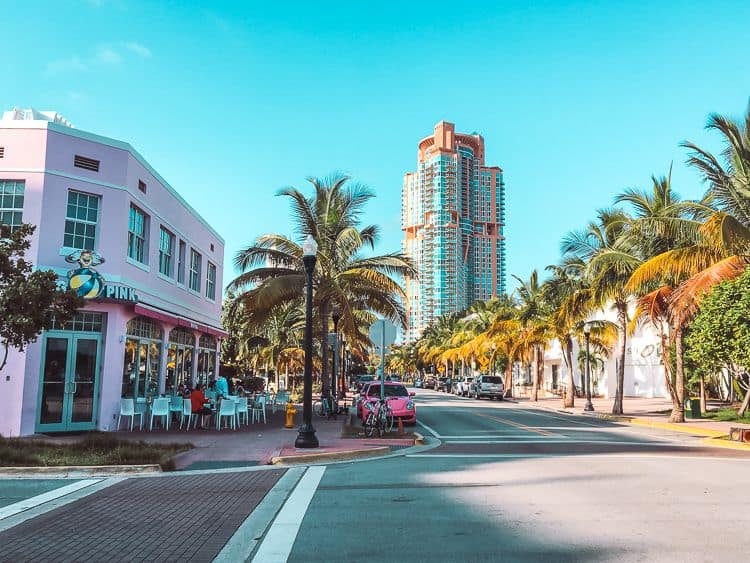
x=452, y=215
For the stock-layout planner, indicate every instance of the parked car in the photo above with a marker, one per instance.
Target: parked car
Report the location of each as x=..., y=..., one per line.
x=393, y=377
x=418, y=383
x=488, y=386
x=446, y=384
x=399, y=398
x=463, y=386
x=362, y=379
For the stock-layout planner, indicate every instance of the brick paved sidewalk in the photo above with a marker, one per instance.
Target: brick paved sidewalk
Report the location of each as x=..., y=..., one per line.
x=176, y=518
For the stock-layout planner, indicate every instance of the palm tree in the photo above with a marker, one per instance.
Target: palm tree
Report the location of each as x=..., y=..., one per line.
x=272, y=271
x=534, y=317
x=610, y=257
x=570, y=303
x=718, y=250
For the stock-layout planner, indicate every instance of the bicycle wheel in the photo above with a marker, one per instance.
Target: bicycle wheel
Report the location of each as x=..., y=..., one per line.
x=388, y=420
x=370, y=424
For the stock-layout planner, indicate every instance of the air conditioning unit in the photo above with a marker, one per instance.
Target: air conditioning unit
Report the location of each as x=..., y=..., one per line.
x=739, y=434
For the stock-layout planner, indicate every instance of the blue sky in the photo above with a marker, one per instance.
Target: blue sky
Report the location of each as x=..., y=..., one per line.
x=230, y=101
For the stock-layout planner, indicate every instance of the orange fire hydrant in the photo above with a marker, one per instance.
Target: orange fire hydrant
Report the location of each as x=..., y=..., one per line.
x=290, y=412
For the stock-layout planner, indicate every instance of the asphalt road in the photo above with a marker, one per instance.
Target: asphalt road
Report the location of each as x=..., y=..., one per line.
x=510, y=483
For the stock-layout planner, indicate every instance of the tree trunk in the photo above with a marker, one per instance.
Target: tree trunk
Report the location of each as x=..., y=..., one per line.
x=324, y=382
x=570, y=384
x=509, y=379
x=535, y=377
x=703, y=395
x=678, y=410
x=667, y=362
x=622, y=316
x=745, y=404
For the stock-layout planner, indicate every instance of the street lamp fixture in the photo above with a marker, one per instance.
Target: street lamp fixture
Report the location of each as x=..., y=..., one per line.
x=306, y=437
x=589, y=407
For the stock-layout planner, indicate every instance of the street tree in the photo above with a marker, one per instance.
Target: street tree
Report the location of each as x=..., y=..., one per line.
x=29, y=299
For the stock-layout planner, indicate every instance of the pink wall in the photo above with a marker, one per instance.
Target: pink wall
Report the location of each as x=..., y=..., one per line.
x=42, y=155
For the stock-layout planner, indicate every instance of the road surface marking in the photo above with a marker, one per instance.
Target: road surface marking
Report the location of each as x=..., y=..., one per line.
x=567, y=418
x=612, y=457
x=516, y=424
x=430, y=430
x=26, y=504
x=277, y=545
x=242, y=543
x=498, y=437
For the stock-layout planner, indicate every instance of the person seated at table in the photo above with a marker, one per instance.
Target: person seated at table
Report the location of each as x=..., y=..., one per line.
x=198, y=403
x=211, y=391
x=222, y=387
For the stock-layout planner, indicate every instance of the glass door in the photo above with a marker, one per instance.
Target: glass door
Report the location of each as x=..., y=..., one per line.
x=83, y=383
x=54, y=387
x=70, y=382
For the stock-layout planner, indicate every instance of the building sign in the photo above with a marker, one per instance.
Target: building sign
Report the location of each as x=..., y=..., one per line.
x=89, y=284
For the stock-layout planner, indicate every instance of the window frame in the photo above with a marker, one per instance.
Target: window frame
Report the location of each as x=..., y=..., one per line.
x=195, y=273
x=181, y=262
x=210, y=280
x=170, y=237
x=86, y=222
x=138, y=242
x=12, y=226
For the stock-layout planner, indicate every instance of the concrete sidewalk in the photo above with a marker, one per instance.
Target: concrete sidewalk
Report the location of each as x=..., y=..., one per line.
x=641, y=411
x=260, y=443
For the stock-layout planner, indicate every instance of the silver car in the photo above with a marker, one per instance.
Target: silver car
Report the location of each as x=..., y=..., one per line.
x=463, y=386
x=488, y=386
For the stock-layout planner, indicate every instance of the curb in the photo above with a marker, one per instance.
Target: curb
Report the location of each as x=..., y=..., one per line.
x=81, y=471
x=677, y=428
x=330, y=456
x=724, y=443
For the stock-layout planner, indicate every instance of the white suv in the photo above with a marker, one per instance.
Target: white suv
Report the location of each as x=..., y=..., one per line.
x=463, y=386
x=488, y=386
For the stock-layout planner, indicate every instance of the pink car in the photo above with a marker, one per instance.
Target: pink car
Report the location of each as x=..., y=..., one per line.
x=398, y=397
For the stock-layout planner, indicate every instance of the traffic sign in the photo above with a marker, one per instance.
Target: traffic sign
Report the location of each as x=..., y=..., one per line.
x=382, y=334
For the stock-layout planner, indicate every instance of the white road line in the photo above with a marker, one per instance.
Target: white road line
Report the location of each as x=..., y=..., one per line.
x=499, y=436
x=567, y=418
x=242, y=543
x=613, y=457
x=278, y=543
x=26, y=504
x=430, y=430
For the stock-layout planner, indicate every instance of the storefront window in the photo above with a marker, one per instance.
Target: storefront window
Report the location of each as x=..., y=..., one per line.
x=180, y=359
x=142, y=358
x=206, y=359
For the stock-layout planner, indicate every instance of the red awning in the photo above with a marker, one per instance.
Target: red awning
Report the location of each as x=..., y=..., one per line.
x=163, y=316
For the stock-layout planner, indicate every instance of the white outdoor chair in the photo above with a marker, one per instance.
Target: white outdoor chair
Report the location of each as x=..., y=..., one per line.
x=159, y=409
x=187, y=412
x=280, y=400
x=242, y=409
x=127, y=409
x=227, y=409
x=259, y=408
x=175, y=405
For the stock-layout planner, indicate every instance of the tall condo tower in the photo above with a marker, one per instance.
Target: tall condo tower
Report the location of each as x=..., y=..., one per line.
x=452, y=215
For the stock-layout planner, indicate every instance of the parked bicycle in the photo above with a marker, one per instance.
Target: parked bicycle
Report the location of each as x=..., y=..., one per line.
x=379, y=418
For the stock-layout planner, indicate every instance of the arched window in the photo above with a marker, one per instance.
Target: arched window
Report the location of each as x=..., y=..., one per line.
x=206, y=359
x=141, y=373
x=180, y=359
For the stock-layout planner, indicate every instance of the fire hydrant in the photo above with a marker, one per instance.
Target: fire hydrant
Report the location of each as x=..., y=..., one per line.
x=290, y=412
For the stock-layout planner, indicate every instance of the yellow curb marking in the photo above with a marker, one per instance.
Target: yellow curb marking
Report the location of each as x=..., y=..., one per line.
x=517, y=425
x=723, y=443
x=679, y=428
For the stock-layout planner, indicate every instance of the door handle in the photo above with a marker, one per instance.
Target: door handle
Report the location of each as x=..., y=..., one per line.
x=75, y=387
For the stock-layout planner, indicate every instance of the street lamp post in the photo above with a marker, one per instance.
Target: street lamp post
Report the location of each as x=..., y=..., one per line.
x=336, y=315
x=587, y=333
x=306, y=437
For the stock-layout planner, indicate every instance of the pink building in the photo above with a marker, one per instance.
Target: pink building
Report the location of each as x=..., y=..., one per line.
x=152, y=278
